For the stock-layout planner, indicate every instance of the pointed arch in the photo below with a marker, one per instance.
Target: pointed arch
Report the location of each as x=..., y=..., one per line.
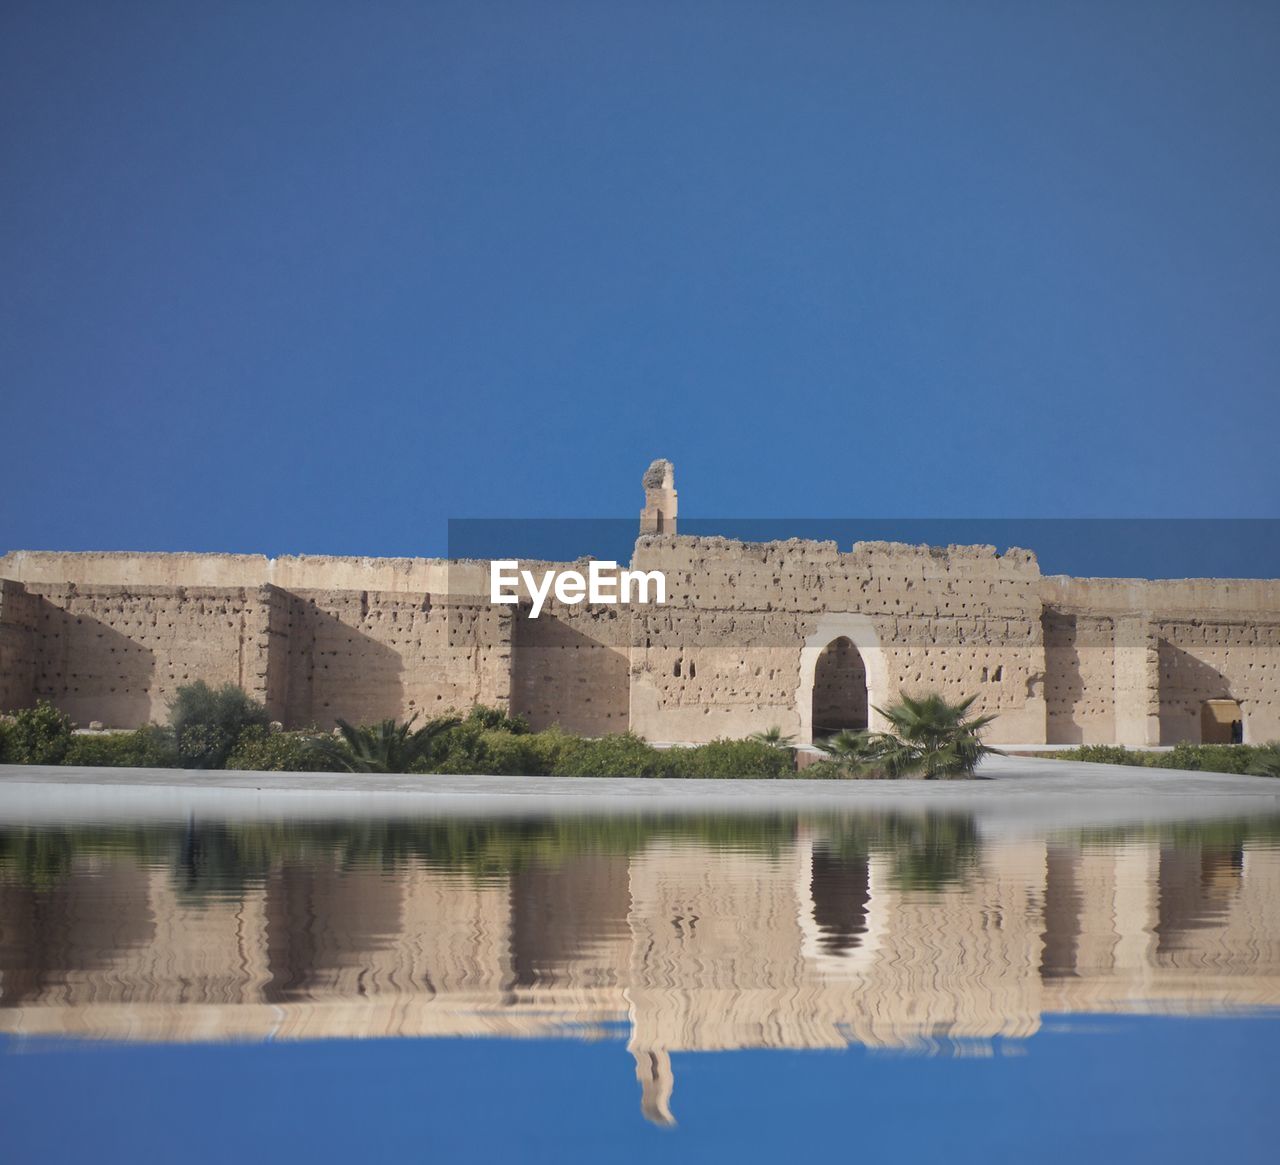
x=860, y=632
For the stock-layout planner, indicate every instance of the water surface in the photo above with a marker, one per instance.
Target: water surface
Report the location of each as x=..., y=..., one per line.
x=572, y=989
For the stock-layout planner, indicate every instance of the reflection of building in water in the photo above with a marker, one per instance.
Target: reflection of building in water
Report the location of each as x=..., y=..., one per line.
x=692, y=947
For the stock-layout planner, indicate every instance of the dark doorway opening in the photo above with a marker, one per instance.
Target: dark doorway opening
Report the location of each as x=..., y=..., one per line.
x=839, y=690
x=1221, y=722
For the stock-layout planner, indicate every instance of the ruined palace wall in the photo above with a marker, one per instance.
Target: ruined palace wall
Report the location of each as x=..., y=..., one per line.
x=572, y=667
x=1080, y=676
x=367, y=655
x=289, y=572
x=727, y=655
x=111, y=636
x=118, y=654
x=1185, y=641
x=18, y=646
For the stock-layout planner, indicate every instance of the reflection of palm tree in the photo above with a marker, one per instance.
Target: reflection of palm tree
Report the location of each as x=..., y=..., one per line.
x=925, y=851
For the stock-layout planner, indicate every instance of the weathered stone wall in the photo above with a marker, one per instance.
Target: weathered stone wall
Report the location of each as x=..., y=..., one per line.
x=572, y=667
x=18, y=646
x=736, y=649
x=118, y=654
x=367, y=655
x=1132, y=660
x=1209, y=659
x=1080, y=666
x=729, y=654
x=289, y=572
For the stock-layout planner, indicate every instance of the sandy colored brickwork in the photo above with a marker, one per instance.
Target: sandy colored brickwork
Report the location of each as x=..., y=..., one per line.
x=795, y=634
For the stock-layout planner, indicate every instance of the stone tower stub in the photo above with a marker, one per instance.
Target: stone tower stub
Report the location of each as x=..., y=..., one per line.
x=659, y=513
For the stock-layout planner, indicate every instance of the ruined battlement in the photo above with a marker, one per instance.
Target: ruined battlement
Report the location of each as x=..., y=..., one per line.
x=797, y=633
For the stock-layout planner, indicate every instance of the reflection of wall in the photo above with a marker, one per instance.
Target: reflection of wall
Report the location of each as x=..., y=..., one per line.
x=569, y=922
x=696, y=948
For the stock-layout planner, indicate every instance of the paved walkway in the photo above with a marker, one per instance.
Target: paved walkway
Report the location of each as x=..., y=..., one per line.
x=1015, y=794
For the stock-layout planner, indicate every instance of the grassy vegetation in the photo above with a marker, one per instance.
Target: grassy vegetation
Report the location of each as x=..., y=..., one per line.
x=1260, y=760
x=210, y=859
x=224, y=728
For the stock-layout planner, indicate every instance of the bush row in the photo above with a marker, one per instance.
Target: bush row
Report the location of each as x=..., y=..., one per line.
x=1260, y=759
x=220, y=730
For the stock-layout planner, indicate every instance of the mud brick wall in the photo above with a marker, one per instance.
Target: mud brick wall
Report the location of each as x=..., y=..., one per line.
x=1209, y=659
x=960, y=620
x=110, y=637
x=18, y=646
x=118, y=654
x=1079, y=650
x=363, y=656
x=571, y=667
x=1176, y=643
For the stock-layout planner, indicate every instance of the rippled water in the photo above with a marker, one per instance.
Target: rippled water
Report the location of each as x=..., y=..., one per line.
x=564, y=988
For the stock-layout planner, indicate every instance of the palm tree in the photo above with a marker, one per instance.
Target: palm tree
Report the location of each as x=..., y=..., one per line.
x=774, y=737
x=385, y=747
x=859, y=751
x=928, y=737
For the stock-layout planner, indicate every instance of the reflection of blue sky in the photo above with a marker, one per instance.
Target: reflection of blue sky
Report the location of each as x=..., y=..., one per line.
x=1086, y=547
x=1141, y=1089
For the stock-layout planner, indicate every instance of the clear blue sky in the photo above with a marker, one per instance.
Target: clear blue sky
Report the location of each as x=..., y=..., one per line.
x=318, y=276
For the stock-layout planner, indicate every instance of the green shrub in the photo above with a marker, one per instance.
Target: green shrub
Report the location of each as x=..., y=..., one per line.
x=1266, y=760
x=36, y=736
x=460, y=748
x=508, y=754
x=1104, y=754
x=826, y=769
x=624, y=755
x=1209, y=758
x=495, y=719
x=1212, y=758
x=545, y=748
x=261, y=750
x=488, y=741
x=144, y=748
x=207, y=722
x=730, y=758
x=927, y=736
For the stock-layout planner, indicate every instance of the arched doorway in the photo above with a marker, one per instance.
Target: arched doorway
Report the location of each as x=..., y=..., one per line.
x=859, y=631
x=839, y=689
x=1221, y=722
